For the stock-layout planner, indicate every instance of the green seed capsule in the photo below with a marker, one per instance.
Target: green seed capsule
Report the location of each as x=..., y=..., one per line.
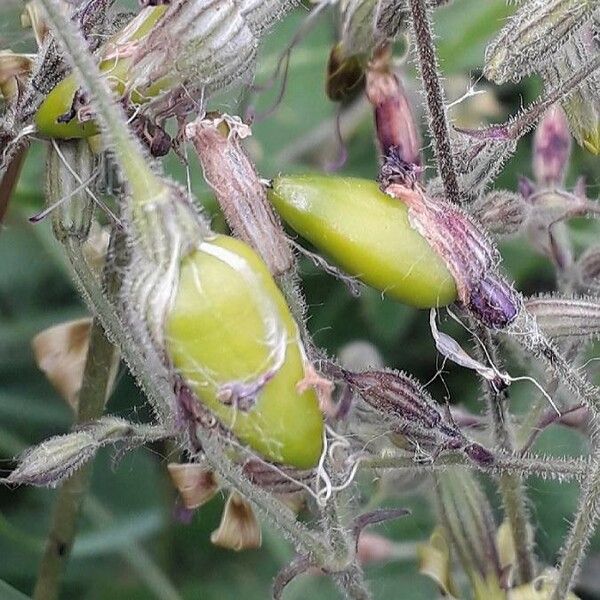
x=367, y=233
x=59, y=101
x=231, y=337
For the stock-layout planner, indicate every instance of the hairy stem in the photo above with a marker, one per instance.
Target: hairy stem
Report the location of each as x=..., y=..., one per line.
x=116, y=134
x=511, y=487
x=581, y=530
x=421, y=23
x=95, y=390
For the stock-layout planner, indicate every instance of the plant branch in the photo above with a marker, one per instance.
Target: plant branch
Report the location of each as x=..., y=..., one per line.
x=581, y=531
x=510, y=485
x=524, y=466
x=434, y=93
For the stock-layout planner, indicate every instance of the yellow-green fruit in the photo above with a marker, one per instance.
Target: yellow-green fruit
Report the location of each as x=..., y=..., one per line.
x=229, y=329
x=60, y=100
x=367, y=234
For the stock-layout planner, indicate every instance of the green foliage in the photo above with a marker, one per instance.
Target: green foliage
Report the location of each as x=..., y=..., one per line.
x=130, y=547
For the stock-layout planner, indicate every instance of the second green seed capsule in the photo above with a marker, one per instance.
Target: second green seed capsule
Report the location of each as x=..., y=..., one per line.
x=366, y=233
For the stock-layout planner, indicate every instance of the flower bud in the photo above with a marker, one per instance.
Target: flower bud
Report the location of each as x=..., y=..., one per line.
x=394, y=119
x=239, y=529
x=195, y=483
x=551, y=148
x=501, y=212
x=367, y=25
x=588, y=268
x=531, y=37
x=70, y=169
x=469, y=522
x=560, y=318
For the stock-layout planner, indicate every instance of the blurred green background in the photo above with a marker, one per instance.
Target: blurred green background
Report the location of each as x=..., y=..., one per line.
x=130, y=547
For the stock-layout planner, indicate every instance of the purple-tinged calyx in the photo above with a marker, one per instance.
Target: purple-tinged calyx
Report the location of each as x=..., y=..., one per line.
x=459, y=240
x=551, y=148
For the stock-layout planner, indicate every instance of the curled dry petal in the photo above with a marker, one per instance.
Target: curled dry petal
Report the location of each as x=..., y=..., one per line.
x=60, y=352
x=195, y=483
x=239, y=528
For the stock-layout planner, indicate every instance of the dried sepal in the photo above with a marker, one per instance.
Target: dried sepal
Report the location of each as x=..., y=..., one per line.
x=195, y=482
x=566, y=318
x=13, y=68
x=60, y=352
x=532, y=36
x=239, y=191
x=239, y=528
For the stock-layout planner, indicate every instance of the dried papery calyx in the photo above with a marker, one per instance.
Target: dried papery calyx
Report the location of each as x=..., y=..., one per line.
x=501, y=211
x=551, y=148
x=532, y=36
x=60, y=352
x=468, y=521
x=582, y=106
x=195, y=482
x=212, y=46
x=204, y=307
x=71, y=169
x=394, y=119
x=571, y=318
x=57, y=458
x=239, y=191
x=239, y=528
x=469, y=255
x=367, y=24
x=410, y=412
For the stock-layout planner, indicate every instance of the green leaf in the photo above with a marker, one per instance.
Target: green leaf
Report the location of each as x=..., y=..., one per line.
x=7, y=592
